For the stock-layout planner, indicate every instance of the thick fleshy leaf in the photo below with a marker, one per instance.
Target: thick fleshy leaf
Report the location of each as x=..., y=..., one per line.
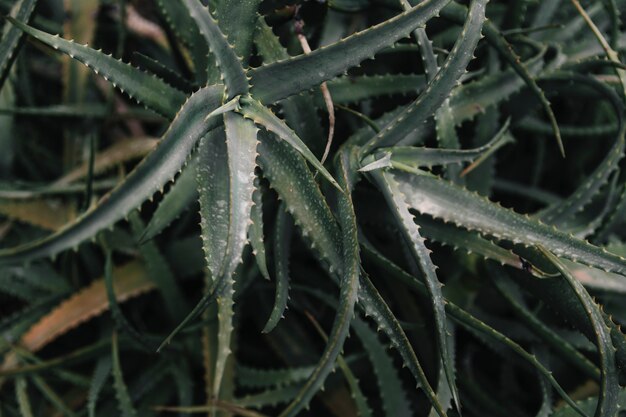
x=438, y=198
x=179, y=197
x=276, y=81
x=230, y=64
x=256, y=235
x=563, y=211
x=148, y=177
x=282, y=249
x=144, y=87
x=349, y=287
x=609, y=384
x=392, y=393
x=470, y=322
x=413, y=157
x=236, y=19
x=241, y=142
x=12, y=36
x=439, y=87
x=263, y=116
x=421, y=255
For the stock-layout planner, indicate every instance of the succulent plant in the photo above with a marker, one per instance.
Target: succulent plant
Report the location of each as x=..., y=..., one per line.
x=358, y=167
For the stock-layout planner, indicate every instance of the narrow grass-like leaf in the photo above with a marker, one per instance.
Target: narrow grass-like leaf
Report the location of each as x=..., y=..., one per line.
x=438, y=198
x=149, y=176
x=120, y=320
x=52, y=396
x=285, y=78
x=147, y=88
x=121, y=391
x=21, y=392
x=160, y=272
x=609, y=384
x=230, y=64
x=282, y=249
x=263, y=116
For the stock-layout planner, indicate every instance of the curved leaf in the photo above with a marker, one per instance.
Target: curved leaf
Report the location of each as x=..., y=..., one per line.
x=440, y=199
x=439, y=87
x=609, y=384
x=349, y=287
x=144, y=87
x=230, y=64
x=263, y=116
x=276, y=81
x=11, y=37
x=149, y=176
x=282, y=249
x=421, y=255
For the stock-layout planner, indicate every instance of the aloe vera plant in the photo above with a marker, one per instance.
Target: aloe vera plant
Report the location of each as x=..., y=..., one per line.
x=239, y=236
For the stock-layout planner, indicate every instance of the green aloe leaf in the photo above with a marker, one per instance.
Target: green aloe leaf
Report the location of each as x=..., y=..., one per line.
x=263, y=116
x=562, y=211
x=441, y=85
x=144, y=87
x=236, y=19
x=149, y=176
x=100, y=375
x=230, y=64
x=415, y=157
x=511, y=292
x=289, y=175
x=282, y=249
x=392, y=393
x=179, y=197
x=241, y=144
x=12, y=36
x=178, y=19
x=470, y=322
x=609, y=384
x=421, y=254
x=438, y=198
x=458, y=12
x=265, y=378
x=349, y=287
x=125, y=403
x=282, y=79
x=257, y=238
x=298, y=109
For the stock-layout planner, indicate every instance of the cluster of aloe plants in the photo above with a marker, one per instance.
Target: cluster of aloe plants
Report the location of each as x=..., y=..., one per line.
x=311, y=171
